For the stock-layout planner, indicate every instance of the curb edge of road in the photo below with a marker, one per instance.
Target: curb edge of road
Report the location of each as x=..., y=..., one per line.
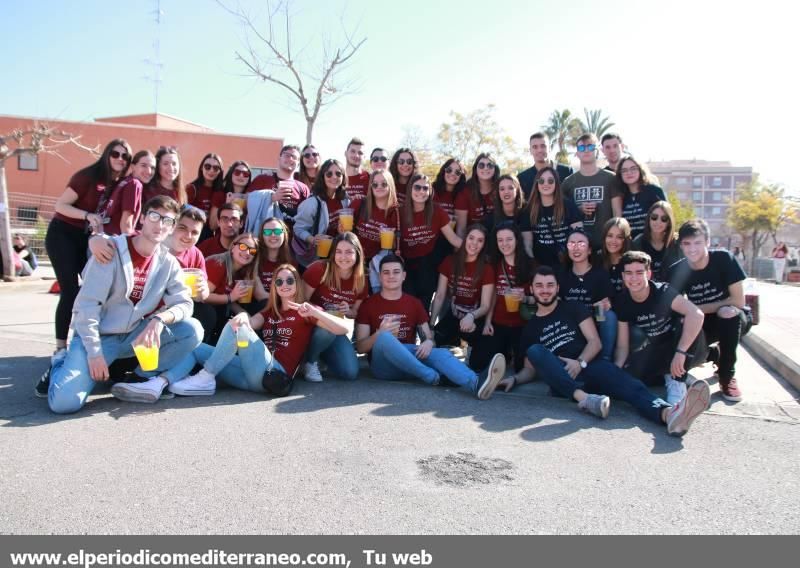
x=776, y=360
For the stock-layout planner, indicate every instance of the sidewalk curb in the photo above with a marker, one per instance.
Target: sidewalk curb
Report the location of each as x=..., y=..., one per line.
x=776, y=360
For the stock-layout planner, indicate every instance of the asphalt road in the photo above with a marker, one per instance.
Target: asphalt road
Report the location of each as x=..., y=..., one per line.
x=373, y=458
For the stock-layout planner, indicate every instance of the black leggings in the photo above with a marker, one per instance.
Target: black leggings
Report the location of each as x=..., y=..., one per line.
x=421, y=279
x=448, y=332
x=67, y=247
x=505, y=340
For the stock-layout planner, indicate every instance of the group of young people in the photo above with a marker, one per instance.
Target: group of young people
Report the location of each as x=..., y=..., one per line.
x=578, y=278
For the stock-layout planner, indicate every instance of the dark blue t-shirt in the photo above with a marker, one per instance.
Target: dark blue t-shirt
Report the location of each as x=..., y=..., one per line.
x=558, y=331
x=585, y=289
x=709, y=284
x=526, y=178
x=635, y=206
x=550, y=240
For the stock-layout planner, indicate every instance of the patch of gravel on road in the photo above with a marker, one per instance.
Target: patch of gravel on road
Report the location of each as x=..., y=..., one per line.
x=463, y=468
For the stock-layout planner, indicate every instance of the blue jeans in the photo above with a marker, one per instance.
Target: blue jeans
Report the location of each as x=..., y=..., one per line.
x=608, y=335
x=70, y=381
x=242, y=368
x=599, y=377
x=394, y=361
x=336, y=351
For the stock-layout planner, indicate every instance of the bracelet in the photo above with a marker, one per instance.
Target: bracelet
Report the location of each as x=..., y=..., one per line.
x=682, y=352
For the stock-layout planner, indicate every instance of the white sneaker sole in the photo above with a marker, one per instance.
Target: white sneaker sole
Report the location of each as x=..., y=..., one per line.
x=497, y=369
x=192, y=392
x=129, y=392
x=694, y=404
x=313, y=379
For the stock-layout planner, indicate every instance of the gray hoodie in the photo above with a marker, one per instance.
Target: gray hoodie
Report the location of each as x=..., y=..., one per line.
x=103, y=305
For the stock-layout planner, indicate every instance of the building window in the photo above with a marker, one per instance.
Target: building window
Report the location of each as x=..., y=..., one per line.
x=716, y=181
x=697, y=196
x=697, y=182
x=28, y=162
x=716, y=211
x=27, y=213
x=717, y=196
x=681, y=181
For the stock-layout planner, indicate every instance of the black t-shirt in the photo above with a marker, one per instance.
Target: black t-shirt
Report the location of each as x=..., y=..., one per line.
x=660, y=259
x=558, y=331
x=615, y=277
x=586, y=289
x=636, y=206
x=549, y=240
x=709, y=284
x=653, y=316
x=526, y=178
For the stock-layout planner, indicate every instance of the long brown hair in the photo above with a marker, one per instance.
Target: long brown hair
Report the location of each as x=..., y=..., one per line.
x=519, y=200
x=536, y=198
x=177, y=185
x=473, y=185
x=622, y=224
x=284, y=253
x=331, y=277
x=460, y=257
x=666, y=207
x=408, y=206
x=274, y=299
x=369, y=200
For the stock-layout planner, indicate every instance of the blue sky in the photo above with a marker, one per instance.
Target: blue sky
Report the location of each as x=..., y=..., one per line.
x=706, y=80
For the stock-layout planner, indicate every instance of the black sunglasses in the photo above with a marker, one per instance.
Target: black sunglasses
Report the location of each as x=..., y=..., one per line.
x=211, y=168
x=310, y=155
x=289, y=281
x=330, y=174
x=117, y=155
x=383, y=159
x=664, y=218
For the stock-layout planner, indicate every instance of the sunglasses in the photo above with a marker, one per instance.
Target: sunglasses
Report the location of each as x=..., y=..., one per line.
x=586, y=147
x=547, y=181
x=405, y=161
x=252, y=250
x=382, y=184
x=309, y=155
x=269, y=232
x=383, y=159
x=664, y=218
x=211, y=168
x=241, y=173
x=330, y=174
x=486, y=165
x=417, y=187
x=289, y=281
x=453, y=171
x=156, y=217
x=117, y=155
x=577, y=244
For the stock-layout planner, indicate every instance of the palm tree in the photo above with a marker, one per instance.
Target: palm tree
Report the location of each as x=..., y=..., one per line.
x=561, y=128
x=596, y=123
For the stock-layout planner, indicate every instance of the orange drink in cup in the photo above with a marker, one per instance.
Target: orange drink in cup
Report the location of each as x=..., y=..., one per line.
x=147, y=356
x=248, y=294
x=387, y=239
x=512, y=297
x=192, y=277
x=324, y=246
x=239, y=199
x=346, y=219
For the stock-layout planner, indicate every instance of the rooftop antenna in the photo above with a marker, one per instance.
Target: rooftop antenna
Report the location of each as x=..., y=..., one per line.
x=155, y=63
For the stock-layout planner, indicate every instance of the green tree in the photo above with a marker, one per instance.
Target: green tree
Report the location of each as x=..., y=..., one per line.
x=596, y=123
x=682, y=211
x=562, y=128
x=467, y=135
x=758, y=212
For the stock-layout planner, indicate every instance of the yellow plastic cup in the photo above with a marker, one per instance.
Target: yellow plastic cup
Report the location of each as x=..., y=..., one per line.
x=147, y=356
x=346, y=219
x=248, y=295
x=387, y=239
x=324, y=246
x=192, y=277
x=512, y=300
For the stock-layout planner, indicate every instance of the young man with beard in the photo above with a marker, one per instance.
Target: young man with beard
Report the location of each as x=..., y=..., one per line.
x=613, y=150
x=561, y=344
x=357, y=177
x=229, y=217
x=540, y=151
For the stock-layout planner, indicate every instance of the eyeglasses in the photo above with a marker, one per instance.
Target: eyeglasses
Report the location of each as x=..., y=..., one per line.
x=383, y=159
x=269, y=232
x=211, y=168
x=156, y=217
x=117, y=155
x=241, y=173
x=453, y=171
x=656, y=217
x=290, y=155
x=382, y=184
x=248, y=248
x=547, y=181
x=631, y=170
x=586, y=147
x=417, y=187
x=231, y=220
x=289, y=281
x=405, y=161
x=486, y=165
x=309, y=155
x=331, y=173
x=577, y=244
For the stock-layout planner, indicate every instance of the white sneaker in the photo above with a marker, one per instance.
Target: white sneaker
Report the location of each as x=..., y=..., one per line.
x=148, y=391
x=202, y=383
x=311, y=372
x=676, y=390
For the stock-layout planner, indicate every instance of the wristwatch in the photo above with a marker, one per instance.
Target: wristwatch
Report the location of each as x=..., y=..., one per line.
x=582, y=363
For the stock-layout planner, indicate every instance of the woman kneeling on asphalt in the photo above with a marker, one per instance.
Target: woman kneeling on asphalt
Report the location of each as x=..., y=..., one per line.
x=272, y=341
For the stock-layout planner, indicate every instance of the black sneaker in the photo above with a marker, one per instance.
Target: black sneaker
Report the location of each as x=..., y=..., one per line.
x=491, y=377
x=41, y=388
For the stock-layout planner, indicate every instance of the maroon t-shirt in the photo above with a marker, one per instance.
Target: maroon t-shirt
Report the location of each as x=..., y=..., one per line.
x=153, y=189
x=141, y=267
x=218, y=198
x=127, y=196
x=419, y=239
x=369, y=230
x=334, y=206
x=464, y=292
x=447, y=201
x=265, y=272
x=330, y=298
x=411, y=311
x=211, y=246
x=201, y=197
x=476, y=211
x=401, y=188
x=501, y=315
x=192, y=258
x=300, y=191
x=287, y=337
x=357, y=185
x=89, y=192
x=218, y=276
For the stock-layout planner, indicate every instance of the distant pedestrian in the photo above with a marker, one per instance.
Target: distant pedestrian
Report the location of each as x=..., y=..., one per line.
x=779, y=254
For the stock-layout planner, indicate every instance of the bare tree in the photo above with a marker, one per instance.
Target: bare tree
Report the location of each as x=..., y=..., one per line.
x=36, y=139
x=279, y=63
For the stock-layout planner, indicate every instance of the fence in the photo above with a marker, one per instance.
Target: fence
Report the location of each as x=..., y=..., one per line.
x=29, y=216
